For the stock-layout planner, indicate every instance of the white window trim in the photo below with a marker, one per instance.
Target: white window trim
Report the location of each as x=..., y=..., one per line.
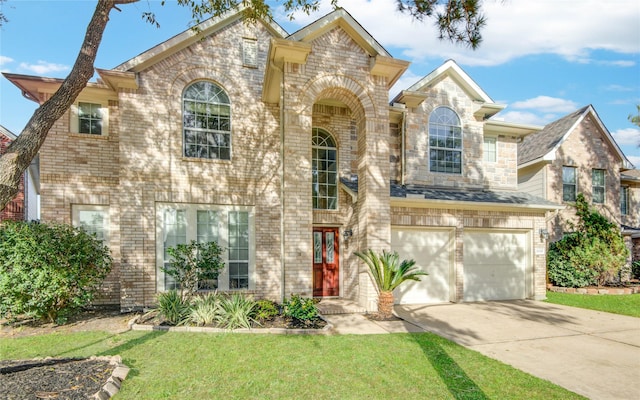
x=604, y=187
x=223, y=237
x=75, y=217
x=429, y=147
x=575, y=191
x=249, y=45
x=494, y=141
x=74, y=117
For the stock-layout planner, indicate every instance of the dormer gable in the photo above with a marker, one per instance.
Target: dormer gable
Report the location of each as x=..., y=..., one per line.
x=296, y=47
x=413, y=96
x=191, y=36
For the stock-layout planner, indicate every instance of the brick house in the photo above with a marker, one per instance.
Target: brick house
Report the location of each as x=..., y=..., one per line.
x=286, y=150
x=25, y=205
x=577, y=154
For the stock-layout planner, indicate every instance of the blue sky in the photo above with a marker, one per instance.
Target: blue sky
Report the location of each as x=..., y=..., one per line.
x=543, y=58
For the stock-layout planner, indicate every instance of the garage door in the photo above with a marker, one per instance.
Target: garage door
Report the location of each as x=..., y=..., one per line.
x=495, y=265
x=433, y=252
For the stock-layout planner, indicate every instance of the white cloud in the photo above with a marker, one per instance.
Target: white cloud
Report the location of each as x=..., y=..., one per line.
x=5, y=60
x=572, y=29
x=43, y=67
x=627, y=136
x=521, y=117
x=547, y=104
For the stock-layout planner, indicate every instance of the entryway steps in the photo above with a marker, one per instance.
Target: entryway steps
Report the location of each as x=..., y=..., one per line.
x=339, y=306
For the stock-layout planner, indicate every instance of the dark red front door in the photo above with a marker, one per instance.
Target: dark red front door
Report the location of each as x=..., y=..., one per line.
x=326, y=272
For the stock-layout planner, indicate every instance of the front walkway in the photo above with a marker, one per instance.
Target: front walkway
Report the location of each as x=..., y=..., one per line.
x=592, y=353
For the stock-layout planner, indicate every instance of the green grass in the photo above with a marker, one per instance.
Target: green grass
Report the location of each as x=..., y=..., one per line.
x=244, y=366
x=628, y=304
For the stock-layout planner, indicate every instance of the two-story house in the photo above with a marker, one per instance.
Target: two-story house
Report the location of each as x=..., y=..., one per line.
x=285, y=149
x=577, y=154
x=24, y=205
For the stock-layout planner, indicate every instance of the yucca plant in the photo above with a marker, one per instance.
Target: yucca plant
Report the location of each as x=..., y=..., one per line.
x=173, y=307
x=205, y=310
x=388, y=273
x=237, y=311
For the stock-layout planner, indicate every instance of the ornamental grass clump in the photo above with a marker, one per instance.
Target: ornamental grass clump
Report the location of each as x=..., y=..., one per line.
x=173, y=307
x=237, y=311
x=388, y=273
x=205, y=310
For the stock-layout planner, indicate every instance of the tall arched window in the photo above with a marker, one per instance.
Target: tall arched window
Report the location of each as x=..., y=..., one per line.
x=206, y=121
x=445, y=141
x=324, y=170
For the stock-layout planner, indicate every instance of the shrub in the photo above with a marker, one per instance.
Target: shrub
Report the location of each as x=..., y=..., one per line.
x=49, y=271
x=205, y=310
x=594, y=254
x=194, y=262
x=300, y=308
x=237, y=311
x=173, y=307
x=265, y=310
x=635, y=270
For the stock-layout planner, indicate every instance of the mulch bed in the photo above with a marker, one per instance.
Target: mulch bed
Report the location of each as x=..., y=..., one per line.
x=62, y=378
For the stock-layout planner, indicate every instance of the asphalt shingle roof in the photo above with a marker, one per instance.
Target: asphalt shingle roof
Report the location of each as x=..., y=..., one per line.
x=539, y=144
x=466, y=195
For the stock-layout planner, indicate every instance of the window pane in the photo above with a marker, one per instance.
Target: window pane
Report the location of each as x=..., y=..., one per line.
x=329, y=236
x=445, y=141
x=174, y=232
x=624, y=200
x=324, y=177
x=597, y=179
x=206, y=121
x=489, y=149
x=238, y=249
x=90, y=118
x=93, y=222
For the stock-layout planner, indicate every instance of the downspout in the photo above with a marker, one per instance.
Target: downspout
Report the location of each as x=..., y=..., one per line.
x=402, y=145
x=282, y=192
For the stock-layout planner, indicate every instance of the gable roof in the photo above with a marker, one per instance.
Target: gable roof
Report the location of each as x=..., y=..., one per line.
x=6, y=132
x=340, y=18
x=451, y=69
x=190, y=36
x=543, y=145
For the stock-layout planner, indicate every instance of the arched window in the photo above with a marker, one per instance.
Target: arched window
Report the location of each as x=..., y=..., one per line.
x=324, y=170
x=445, y=141
x=206, y=121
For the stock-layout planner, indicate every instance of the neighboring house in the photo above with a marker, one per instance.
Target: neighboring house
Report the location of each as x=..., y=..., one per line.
x=577, y=154
x=285, y=149
x=630, y=209
x=25, y=205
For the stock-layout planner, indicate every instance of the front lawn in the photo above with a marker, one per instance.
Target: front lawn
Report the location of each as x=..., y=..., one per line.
x=628, y=304
x=208, y=366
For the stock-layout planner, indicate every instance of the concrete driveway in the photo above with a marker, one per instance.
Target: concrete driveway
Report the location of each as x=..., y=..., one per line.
x=592, y=353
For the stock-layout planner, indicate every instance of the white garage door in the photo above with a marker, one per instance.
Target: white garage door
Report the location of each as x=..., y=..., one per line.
x=433, y=252
x=495, y=265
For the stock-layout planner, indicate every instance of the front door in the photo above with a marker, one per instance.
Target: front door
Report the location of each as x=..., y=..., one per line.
x=326, y=276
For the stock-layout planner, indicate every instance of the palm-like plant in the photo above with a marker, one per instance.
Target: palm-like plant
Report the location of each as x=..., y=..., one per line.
x=388, y=273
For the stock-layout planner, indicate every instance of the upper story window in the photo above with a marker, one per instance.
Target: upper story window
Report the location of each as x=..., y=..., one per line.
x=206, y=121
x=89, y=118
x=624, y=200
x=489, y=149
x=250, y=52
x=597, y=183
x=324, y=169
x=445, y=141
x=569, y=184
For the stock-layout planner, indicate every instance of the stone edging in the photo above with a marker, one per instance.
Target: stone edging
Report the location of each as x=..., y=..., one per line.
x=112, y=386
x=327, y=329
x=594, y=291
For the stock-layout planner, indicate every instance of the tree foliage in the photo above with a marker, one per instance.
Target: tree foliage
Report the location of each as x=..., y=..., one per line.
x=49, y=271
x=193, y=262
x=593, y=254
x=457, y=20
